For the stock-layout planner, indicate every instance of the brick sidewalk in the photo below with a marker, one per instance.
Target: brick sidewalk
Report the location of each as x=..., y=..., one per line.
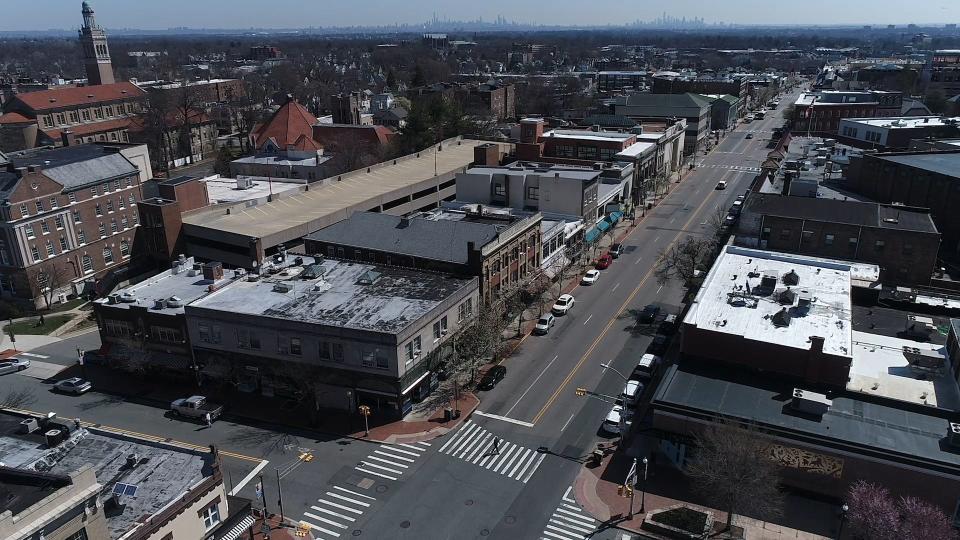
x=596, y=491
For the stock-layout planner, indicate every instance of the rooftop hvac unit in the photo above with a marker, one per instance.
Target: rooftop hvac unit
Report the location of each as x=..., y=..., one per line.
x=923, y=359
x=29, y=425
x=158, y=303
x=809, y=402
x=174, y=302
x=282, y=287
x=953, y=435
x=244, y=182
x=128, y=298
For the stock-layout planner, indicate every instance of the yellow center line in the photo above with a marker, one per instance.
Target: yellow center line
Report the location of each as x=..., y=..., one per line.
x=616, y=315
x=146, y=436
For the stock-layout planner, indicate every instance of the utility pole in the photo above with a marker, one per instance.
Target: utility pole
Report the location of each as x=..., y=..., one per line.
x=279, y=495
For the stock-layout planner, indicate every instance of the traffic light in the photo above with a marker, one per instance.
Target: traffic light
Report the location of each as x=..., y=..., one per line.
x=580, y=391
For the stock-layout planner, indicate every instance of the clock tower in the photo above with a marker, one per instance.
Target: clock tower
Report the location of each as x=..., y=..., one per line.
x=96, y=54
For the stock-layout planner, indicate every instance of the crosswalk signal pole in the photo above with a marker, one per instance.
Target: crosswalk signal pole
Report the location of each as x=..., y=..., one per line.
x=279, y=495
x=365, y=411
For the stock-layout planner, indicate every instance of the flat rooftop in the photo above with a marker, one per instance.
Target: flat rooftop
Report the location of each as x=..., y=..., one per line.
x=222, y=190
x=852, y=423
x=284, y=160
x=733, y=300
x=162, y=474
x=565, y=171
x=638, y=148
x=347, y=294
x=357, y=188
x=588, y=135
x=840, y=211
x=905, y=122
x=946, y=163
x=183, y=283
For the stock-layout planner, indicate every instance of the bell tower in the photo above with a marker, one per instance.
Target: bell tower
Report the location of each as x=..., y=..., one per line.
x=96, y=55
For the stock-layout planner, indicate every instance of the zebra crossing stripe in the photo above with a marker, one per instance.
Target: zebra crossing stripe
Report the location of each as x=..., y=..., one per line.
x=572, y=516
x=376, y=474
x=527, y=464
x=507, y=448
x=332, y=513
x=399, y=451
x=381, y=467
x=534, y=469
x=340, y=506
x=474, y=437
x=325, y=520
x=464, y=437
x=382, y=453
x=314, y=527
x=506, y=455
x=581, y=529
x=388, y=461
x=354, y=493
x=348, y=499
x=411, y=447
x=428, y=445
x=523, y=456
x=465, y=427
x=481, y=445
x=565, y=533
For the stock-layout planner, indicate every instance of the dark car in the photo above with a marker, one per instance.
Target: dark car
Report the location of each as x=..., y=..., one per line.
x=749, y=135
x=659, y=345
x=493, y=376
x=616, y=250
x=649, y=313
x=669, y=325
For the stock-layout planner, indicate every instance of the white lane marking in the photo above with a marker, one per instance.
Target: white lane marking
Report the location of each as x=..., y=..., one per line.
x=464, y=438
x=325, y=520
x=672, y=220
x=394, y=463
x=512, y=459
x=504, y=418
x=531, y=385
x=381, y=467
x=588, y=319
x=506, y=451
x=332, y=513
x=506, y=455
x=566, y=534
x=660, y=288
x=526, y=455
x=340, y=506
x=394, y=456
x=412, y=447
x=256, y=470
x=534, y=469
x=348, y=499
x=375, y=474
x=657, y=239
x=567, y=423
x=567, y=493
x=354, y=492
x=638, y=260
x=482, y=446
x=466, y=426
x=33, y=355
x=615, y=287
x=399, y=451
x=424, y=444
x=321, y=529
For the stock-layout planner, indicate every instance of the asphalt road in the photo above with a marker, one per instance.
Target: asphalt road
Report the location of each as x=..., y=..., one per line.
x=458, y=486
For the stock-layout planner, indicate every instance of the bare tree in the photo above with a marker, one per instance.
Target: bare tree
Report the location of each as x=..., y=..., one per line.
x=17, y=398
x=685, y=261
x=478, y=341
x=49, y=278
x=733, y=468
x=874, y=514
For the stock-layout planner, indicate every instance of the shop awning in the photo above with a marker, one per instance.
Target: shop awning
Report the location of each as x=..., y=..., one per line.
x=604, y=225
x=592, y=235
x=615, y=216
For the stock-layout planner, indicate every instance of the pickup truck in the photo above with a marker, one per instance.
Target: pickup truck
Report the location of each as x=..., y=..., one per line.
x=196, y=407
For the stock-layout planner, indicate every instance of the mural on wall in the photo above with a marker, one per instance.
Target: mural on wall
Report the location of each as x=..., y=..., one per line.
x=806, y=461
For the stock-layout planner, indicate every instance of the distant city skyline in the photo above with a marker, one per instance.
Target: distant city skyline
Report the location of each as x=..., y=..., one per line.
x=24, y=15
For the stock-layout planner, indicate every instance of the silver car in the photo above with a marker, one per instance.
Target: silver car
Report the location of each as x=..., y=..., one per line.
x=13, y=365
x=73, y=385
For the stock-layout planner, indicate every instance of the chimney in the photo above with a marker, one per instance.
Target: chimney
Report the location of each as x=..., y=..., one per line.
x=816, y=346
x=67, y=138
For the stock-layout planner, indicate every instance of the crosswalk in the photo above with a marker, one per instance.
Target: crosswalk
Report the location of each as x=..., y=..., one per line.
x=475, y=445
x=569, y=521
x=390, y=461
x=339, y=509
x=32, y=355
x=742, y=168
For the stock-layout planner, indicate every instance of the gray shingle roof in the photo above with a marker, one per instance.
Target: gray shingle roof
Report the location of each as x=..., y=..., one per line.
x=442, y=240
x=839, y=211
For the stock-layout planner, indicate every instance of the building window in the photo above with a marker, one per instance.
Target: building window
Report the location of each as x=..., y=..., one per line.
x=81, y=238
x=324, y=350
x=409, y=353
x=533, y=192
x=211, y=516
x=87, y=264
x=117, y=328
x=58, y=220
x=784, y=233
x=436, y=331
x=108, y=255
x=39, y=206
x=23, y=210
x=499, y=190
x=95, y=191
x=132, y=200
x=63, y=243
x=338, y=353
x=124, y=248
x=29, y=230
x=116, y=184
x=368, y=357
x=110, y=206
x=468, y=306
x=103, y=230
x=76, y=216
x=166, y=335
x=606, y=154
x=295, y=346
x=121, y=203
x=135, y=219
x=209, y=333
x=247, y=340
x=99, y=211
x=128, y=184
x=44, y=227
x=106, y=188
x=880, y=245
x=50, y=251
x=113, y=226
x=35, y=252
x=54, y=203
x=563, y=150
x=85, y=114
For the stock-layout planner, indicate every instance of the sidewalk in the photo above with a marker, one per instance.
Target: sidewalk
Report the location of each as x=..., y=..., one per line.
x=596, y=491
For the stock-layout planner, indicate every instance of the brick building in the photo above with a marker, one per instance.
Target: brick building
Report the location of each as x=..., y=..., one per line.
x=903, y=242
x=101, y=113
x=681, y=84
x=895, y=133
x=69, y=218
x=822, y=112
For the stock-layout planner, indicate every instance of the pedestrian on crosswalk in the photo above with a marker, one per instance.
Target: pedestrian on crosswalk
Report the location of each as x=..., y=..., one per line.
x=496, y=446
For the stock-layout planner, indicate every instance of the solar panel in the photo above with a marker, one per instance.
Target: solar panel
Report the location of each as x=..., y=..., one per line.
x=130, y=490
x=118, y=488
x=124, y=489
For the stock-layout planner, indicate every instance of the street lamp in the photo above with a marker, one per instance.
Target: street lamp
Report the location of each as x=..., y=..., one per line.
x=365, y=411
x=643, y=486
x=625, y=380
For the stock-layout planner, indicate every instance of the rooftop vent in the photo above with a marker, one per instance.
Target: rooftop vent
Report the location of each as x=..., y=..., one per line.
x=158, y=303
x=923, y=359
x=174, y=302
x=769, y=280
x=282, y=287
x=368, y=278
x=781, y=319
x=809, y=402
x=791, y=278
x=128, y=298
x=787, y=297
x=953, y=435
x=805, y=299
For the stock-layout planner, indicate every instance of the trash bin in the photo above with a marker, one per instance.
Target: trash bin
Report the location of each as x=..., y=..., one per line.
x=448, y=414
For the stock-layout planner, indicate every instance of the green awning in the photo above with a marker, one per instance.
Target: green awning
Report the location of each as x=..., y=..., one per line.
x=615, y=216
x=592, y=235
x=604, y=225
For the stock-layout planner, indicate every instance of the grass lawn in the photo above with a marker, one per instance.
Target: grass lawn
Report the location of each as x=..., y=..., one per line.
x=50, y=323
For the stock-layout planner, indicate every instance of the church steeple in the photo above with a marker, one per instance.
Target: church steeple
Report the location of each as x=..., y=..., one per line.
x=96, y=54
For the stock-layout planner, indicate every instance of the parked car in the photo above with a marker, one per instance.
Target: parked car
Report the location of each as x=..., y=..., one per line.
x=604, y=261
x=722, y=184
x=611, y=424
x=669, y=325
x=647, y=366
x=196, y=407
x=632, y=392
x=616, y=250
x=13, y=365
x=590, y=277
x=749, y=136
x=737, y=206
x=544, y=323
x=730, y=220
x=649, y=313
x=563, y=304
x=492, y=377
x=659, y=344
x=73, y=385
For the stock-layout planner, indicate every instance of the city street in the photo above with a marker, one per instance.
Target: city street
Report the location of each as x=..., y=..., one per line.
x=464, y=485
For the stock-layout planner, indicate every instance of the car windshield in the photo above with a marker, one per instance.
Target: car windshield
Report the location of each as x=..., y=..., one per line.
x=544, y=321
x=561, y=301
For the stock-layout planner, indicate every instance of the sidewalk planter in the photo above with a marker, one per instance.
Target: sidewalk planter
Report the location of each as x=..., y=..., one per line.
x=679, y=521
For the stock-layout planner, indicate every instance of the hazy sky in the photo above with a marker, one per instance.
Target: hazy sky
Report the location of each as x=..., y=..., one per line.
x=159, y=14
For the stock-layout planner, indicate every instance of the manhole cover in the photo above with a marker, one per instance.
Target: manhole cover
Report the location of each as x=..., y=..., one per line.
x=469, y=502
x=357, y=532
x=404, y=524
x=485, y=532
x=510, y=520
x=382, y=488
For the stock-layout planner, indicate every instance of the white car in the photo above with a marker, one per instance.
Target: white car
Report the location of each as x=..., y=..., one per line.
x=563, y=304
x=722, y=184
x=590, y=277
x=611, y=424
x=73, y=385
x=13, y=365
